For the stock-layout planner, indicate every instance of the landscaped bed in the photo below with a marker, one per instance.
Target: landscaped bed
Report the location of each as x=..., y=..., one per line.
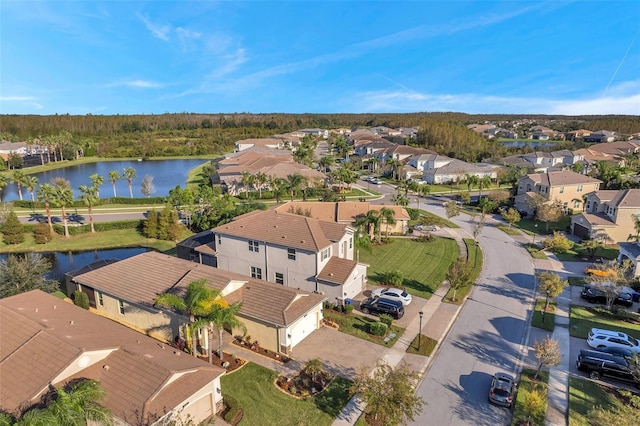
x=585, y=395
x=526, y=385
x=262, y=403
x=547, y=320
x=358, y=325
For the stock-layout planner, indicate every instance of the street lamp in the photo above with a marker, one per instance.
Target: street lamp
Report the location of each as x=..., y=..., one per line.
x=535, y=231
x=546, y=303
x=420, y=330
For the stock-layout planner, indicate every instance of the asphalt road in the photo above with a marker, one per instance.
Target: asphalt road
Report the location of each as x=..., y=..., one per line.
x=81, y=218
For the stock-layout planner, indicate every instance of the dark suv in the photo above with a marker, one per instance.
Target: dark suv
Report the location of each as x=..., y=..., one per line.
x=599, y=364
x=380, y=305
x=595, y=295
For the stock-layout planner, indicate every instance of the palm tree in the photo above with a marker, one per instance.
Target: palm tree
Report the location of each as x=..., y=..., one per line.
x=373, y=161
x=31, y=182
x=114, y=176
x=18, y=177
x=313, y=368
x=89, y=194
x=389, y=217
x=97, y=181
x=636, y=227
x=261, y=180
x=471, y=181
x=247, y=180
x=394, y=165
x=63, y=196
x=3, y=183
x=278, y=187
x=46, y=193
x=129, y=173
x=371, y=222
x=294, y=182
x=196, y=302
x=223, y=316
x=483, y=182
x=78, y=405
x=326, y=162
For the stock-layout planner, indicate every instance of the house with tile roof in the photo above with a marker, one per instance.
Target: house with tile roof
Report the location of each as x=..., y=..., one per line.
x=566, y=187
x=601, y=136
x=289, y=249
x=540, y=161
x=49, y=342
x=278, y=316
x=437, y=169
x=608, y=215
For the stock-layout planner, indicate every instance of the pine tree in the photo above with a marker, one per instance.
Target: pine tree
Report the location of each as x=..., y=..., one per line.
x=12, y=230
x=151, y=224
x=42, y=233
x=174, y=229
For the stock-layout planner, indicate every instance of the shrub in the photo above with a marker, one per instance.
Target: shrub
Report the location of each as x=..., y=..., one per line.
x=232, y=408
x=558, y=243
x=42, y=233
x=348, y=309
x=12, y=230
x=81, y=299
x=386, y=319
x=378, y=328
x=327, y=305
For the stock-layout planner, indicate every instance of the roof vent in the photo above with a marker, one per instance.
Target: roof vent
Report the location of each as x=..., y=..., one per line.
x=54, y=306
x=176, y=353
x=36, y=309
x=302, y=241
x=105, y=367
x=71, y=322
x=330, y=274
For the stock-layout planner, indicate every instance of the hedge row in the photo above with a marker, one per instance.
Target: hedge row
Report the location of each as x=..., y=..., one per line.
x=28, y=204
x=100, y=226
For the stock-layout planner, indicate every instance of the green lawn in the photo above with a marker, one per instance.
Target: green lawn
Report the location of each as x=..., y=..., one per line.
x=426, y=346
x=423, y=264
x=535, y=252
x=507, y=230
x=428, y=218
x=577, y=281
x=254, y=388
x=526, y=385
x=474, y=258
x=584, y=319
x=540, y=228
x=545, y=322
x=580, y=254
x=358, y=325
x=584, y=395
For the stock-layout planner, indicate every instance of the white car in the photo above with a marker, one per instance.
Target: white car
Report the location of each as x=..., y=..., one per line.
x=392, y=294
x=599, y=338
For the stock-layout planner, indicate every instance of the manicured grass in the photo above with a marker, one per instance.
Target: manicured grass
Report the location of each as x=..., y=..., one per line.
x=584, y=319
x=88, y=241
x=263, y=404
x=535, y=252
x=474, y=258
x=507, y=230
x=577, y=281
x=580, y=254
x=429, y=218
x=547, y=321
x=540, y=228
x=526, y=385
x=427, y=345
x=584, y=395
x=423, y=264
x=358, y=325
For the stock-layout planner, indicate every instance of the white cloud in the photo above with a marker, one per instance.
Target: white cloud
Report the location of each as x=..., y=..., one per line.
x=229, y=63
x=158, y=31
x=140, y=84
x=16, y=98
x=21, y=101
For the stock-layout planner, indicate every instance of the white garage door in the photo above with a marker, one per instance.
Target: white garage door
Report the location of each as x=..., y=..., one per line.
x=303, y=328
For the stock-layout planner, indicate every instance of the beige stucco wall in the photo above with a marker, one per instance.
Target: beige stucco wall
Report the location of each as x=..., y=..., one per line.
x=198, y=407
x=569, y=193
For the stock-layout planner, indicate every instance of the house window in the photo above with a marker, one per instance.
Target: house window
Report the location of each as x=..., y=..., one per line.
x=562, y=189
x=279, y=278
x=219, y=239
x=253, y=246
x=350, y=242
x=579, y=188
x=256, y=272
x=588, y=205
x=291, y=254
x=121, y=307
x=100, y=300
x=325, y=253
x=576, y=204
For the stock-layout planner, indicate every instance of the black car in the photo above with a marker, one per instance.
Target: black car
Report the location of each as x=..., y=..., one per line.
x=380, y=305
x=599, y=364
x=595, y=295
x=628, y=354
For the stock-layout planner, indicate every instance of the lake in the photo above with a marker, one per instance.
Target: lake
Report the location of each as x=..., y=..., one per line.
x=63, y=262
x=166, y=175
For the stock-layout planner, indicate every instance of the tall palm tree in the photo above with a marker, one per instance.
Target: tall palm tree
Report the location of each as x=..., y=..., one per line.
x=89, y=195
x=278, y=187
x=197, y=302
x=294, y=182
x=471, y=181
x=394, y=165
x=389, y=217
x=97, y=181
x=129, y=173
x=114, y=176
x=247, y=180
x=373, y=161
x=31, y=182
x=636, y=227
x=225, y=316
x=78, y=405
x=63, y=197
x=483, y=182
x=261, y=180
x=18, y=177
x=371, y=221
x=46, y=194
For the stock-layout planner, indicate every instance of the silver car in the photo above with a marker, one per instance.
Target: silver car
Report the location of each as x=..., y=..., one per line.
x=392, y=294
x=503, y=389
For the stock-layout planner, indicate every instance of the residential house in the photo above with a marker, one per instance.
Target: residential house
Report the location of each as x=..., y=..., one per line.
x=545, y=161
x=49, y=342
x=323, y=133
x=601, y=136
x=347, y=212
x=279, y=317
x=608, y=215
x=439, y=169
x=291, y=250
x=564, y=186
x=577, y=134
x=630, y=251
x=270, y=143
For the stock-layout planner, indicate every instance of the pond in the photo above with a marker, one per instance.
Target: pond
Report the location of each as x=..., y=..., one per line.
x=532, y=144
x=63, y=262
x=166, y=175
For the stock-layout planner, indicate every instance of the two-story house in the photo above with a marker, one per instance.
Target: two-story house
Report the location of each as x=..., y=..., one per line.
x=567, y=187
x=288, y=249
x=608, y=215
x=436, y=169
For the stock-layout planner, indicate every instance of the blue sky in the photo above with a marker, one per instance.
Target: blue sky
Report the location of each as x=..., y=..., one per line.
x=515, y=57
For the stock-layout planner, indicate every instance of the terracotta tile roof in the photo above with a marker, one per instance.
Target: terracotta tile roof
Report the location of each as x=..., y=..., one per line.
x=337, y=270
x=260, y=299
x=283, y=229
x=561, y=178
x=135, y=369
x=343, y=211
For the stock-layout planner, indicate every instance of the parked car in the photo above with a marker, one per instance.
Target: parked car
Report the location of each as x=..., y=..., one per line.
x=599, y=364
x=599, y=338
x=426, y=227
x=625, y=353
x=593, y=294
x=380, y=305
x=502, y=390
x=392, y=294
x=597, y=270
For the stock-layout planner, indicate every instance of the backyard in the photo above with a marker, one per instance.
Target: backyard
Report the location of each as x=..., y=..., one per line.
x=423, y=264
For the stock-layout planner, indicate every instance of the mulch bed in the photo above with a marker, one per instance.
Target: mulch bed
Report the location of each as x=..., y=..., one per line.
x=229, y=362
x=255, y=347
x=303, y=385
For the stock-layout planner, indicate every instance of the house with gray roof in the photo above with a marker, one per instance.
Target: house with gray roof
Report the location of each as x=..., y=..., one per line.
x=439, y=169
x=608, y=215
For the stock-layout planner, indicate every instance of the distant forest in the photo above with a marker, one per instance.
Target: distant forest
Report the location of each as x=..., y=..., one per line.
x=204, y=134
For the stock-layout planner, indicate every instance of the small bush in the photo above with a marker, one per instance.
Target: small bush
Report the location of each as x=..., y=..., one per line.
x=233, y=408
x=81, y=299
x=12, y=230
x=558, y=243
x=42, y=233
x=386, y=319
x=378, y=328
x=348, y=309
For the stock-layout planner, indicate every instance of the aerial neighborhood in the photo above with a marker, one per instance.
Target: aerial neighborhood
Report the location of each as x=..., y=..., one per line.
x=304, y=257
